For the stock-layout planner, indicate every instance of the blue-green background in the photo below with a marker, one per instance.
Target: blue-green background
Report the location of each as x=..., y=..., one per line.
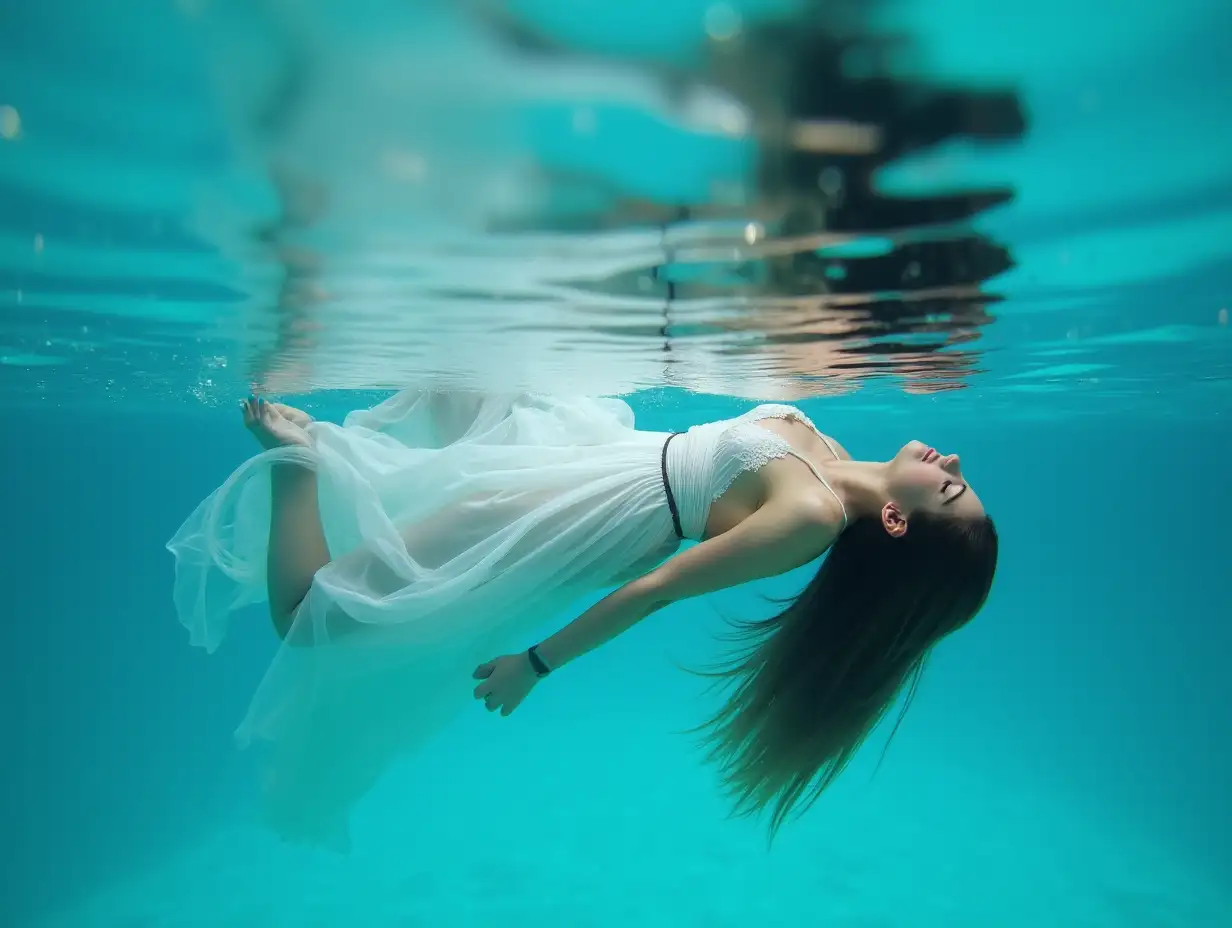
x=1089, y=706
x=1097, y=671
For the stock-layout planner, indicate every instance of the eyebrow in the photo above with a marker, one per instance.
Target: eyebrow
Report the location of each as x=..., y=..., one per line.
x=955, y=496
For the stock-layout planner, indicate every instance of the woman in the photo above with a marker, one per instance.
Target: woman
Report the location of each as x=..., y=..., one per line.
x=462, y=521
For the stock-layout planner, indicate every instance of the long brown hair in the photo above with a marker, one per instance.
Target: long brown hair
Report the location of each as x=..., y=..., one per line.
x=810, y=683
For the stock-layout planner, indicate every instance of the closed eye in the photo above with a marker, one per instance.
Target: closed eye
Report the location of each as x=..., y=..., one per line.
x=945, y=486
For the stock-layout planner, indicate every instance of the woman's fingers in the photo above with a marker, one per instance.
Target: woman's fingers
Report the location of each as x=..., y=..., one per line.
x=487, y=689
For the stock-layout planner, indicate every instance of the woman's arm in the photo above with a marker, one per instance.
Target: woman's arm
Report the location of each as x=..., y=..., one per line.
x=780, y=536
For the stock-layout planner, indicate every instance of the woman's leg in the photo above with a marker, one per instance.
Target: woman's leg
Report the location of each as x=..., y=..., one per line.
x=297, y=548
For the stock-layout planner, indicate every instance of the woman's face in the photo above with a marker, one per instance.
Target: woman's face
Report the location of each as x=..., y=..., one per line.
x=923, y=479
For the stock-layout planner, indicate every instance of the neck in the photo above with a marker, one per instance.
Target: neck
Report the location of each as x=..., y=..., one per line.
x=860, y=484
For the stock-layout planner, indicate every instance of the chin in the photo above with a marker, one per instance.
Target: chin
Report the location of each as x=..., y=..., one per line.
x=913, y=450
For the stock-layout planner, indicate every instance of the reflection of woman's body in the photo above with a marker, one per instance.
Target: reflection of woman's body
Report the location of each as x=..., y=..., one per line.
x=459, y=522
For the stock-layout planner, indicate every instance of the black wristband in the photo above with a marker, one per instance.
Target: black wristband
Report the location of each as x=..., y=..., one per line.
x=537, y=663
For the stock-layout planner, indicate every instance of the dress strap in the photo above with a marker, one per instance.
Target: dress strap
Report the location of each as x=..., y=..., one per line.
x=824, y=482
x=801, y=417
x=829, y=444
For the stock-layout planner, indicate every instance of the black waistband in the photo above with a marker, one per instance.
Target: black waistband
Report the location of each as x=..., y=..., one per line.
x=667, y=488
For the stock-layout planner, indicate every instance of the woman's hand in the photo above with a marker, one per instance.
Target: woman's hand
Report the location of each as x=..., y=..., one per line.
x=506, y=682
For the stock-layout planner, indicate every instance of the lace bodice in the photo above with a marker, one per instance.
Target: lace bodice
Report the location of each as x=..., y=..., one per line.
x=745, y=446
x=713, y=455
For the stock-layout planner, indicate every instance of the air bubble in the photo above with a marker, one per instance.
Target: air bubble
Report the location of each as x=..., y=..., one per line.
x=407, y=166
x=830, y=182
x=10, y=123
x=723, y=22
x=584, y=122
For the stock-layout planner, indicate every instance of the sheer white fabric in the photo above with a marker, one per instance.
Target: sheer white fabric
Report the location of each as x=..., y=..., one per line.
x=459, y=523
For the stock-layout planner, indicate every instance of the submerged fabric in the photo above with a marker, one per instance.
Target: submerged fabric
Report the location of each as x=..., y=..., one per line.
x=458, y=524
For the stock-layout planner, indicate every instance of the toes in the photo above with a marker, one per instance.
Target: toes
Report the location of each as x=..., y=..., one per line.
x=262, y=415
x=291, y=414
x=254, y=409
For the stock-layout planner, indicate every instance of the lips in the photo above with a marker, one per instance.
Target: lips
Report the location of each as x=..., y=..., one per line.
x=931, y=455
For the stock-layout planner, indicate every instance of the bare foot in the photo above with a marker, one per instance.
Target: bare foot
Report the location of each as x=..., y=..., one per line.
x=270, y=427
x=293, y=415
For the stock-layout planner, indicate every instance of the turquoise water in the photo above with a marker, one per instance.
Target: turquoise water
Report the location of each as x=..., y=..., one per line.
x=1067, y=759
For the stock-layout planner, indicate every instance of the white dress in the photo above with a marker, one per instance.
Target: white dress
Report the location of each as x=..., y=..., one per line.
x=459, y=524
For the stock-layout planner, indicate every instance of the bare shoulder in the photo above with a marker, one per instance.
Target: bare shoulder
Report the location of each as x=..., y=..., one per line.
x=787, y=531
x=803, y=509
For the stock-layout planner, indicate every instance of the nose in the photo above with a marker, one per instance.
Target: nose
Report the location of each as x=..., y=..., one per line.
x=951, y=464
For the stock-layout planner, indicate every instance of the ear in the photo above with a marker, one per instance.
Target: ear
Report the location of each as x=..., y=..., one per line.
x=893, y=520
